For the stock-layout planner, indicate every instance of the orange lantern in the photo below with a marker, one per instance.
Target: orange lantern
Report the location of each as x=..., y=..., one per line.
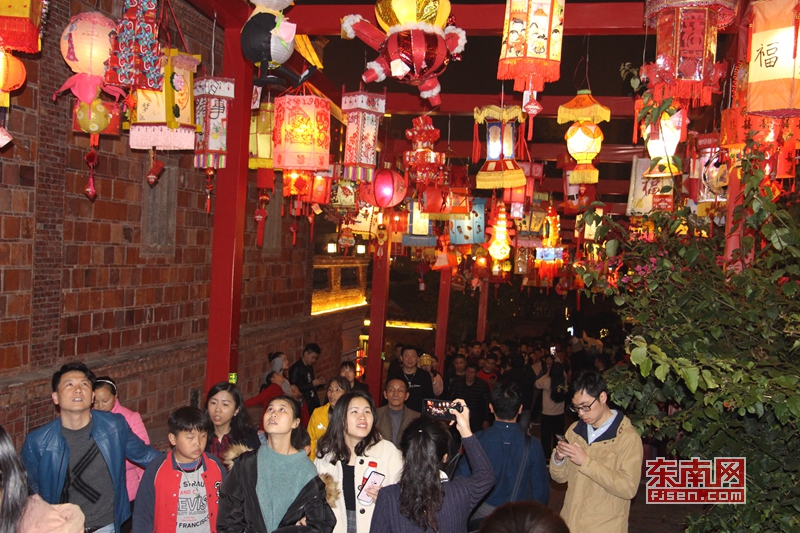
x=19, y=25
x=12, y=77
x=584, y=137
x=532, y=34
x=773, y=88
x=500, y=247
x=301, y=134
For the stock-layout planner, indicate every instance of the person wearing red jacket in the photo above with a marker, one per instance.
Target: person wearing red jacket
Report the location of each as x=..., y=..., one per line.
x=181, y=489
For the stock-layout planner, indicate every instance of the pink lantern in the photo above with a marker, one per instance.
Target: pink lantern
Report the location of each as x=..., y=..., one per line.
x=302, y=133
x=387, y=189
x=86, y=46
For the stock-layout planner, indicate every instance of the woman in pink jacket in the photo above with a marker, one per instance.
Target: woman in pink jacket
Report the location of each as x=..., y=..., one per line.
x=105, y=399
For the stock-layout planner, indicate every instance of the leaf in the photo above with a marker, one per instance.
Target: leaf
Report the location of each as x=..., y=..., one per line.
x=711, y=413
x=661, y=371
x=611, y=247
x=709, y=379
x=687, y=425
x=646, y=365
x=638, y=355
x=793, y=403
x=787, y=382
x=619, y=300
x=691, y=375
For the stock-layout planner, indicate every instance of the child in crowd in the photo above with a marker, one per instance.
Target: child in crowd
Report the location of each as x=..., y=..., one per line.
x=180, y=491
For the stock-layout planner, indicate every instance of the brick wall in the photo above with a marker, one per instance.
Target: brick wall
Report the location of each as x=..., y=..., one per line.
x=75, y=283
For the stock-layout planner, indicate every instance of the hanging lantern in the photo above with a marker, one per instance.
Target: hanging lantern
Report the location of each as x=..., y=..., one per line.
x=12, y=77
x=661, y=141
x=549, y=258
x=301, y=134
x=500, y=247
x=584, y=138
x=773, y=74
x=388, y=188
x=500, y=169
x=532, y=36
x=364, y=112
x=20, y=23
x=86, y=46
x=135, y=60
x=165, y=119
x=422, y=163
x=261, y=123
x=212, y=97
x=686, y=46
x=470, y=231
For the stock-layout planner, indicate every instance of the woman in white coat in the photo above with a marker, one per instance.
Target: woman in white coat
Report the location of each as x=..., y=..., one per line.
x=351, y=448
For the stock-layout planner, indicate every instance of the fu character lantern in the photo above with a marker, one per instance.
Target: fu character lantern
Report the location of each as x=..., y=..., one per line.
x=165, y=119
x=19, y=26
x=532, y=34
x=500, y=169
x=363, y=111
x=774, y=80
x=584, y=137
x=686, y=46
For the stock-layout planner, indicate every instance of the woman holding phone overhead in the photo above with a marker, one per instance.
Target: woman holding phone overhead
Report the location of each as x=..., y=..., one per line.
x=350, y=451
x=425, y=499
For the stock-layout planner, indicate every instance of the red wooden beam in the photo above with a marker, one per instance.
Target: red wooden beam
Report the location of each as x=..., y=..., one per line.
x=442, y=315
x=378, y=309
x=607, y=18
x=465, y=104
x=230, y=194
x=602, y=186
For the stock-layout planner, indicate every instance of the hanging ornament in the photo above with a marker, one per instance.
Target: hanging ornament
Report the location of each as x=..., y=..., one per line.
x=419, y=42
x=12, y=77
x=265, y=181
x=532, y=36
x=91, y=160
x=500, y=247
x=135, y=60
x=21, y=24
x=423, y=164
x=500, y=169
x=584, y=137
x=212, y=99
x=261, y=124
x=364, y=112
x=388, y=189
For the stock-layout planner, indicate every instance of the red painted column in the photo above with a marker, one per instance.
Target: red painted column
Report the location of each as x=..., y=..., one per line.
x=445, y=276
x=229, y=201
x=378, y=308
x=483, y=305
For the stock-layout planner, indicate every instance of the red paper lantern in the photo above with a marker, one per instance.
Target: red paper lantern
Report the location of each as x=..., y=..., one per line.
x=388, y=188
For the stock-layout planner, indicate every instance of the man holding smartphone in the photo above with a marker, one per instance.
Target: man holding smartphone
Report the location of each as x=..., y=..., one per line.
x=601, y=461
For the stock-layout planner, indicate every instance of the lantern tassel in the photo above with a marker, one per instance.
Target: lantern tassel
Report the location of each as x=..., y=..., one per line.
x=521, y=148
x=476, y=144
x=261, y=217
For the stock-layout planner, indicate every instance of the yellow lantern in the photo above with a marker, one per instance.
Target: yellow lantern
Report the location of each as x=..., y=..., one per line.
x=500, y=247
x=500, y=169
x=261, y=124
x=661, y=143
x=584, y=137
x=12, y=76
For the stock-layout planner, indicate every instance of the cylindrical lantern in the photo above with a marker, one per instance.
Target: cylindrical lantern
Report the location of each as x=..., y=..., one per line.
x=774, y=81
x=19, y=25
x=364, y=112
x=422, y=162
x=261, y=124
x=500, y=247
x=662, y=141
x=86, y=46
x=532, y=34
x=500, y=170
x=212, y=98
x=301, y=134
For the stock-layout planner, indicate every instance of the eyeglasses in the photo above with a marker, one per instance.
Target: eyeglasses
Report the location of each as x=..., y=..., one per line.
x=579, y=409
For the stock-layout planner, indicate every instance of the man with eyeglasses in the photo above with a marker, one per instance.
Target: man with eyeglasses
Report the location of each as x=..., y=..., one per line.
x=601, y=461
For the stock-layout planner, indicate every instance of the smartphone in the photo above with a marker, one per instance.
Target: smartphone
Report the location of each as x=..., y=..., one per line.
x=438, y=409
x=562, y=438
x=375, y=479
x=552, y=350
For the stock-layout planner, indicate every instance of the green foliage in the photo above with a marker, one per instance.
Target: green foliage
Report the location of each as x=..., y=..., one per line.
x=719, y=343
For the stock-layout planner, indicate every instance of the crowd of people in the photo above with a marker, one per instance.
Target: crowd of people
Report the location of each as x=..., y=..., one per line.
x=345, y=465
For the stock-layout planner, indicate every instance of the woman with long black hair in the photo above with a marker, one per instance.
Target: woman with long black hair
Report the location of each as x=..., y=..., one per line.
x=554, y=392
x=351, y=448
x=425, y=499
x=226, y=409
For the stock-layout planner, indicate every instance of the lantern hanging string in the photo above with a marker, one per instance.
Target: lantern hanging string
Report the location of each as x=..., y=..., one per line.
x=162, y=18
x=213, y=42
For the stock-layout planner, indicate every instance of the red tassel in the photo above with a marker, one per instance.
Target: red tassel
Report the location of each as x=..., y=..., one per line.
x=520, y=148
x=530, y=128
x=476, y=145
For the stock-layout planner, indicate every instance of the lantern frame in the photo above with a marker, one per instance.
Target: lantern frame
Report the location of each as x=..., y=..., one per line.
x=212, y=99
x=301, y=133
x=500, y=170
x=364, y=112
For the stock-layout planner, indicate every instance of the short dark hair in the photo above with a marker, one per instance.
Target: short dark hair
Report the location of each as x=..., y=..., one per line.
x=491, y=355
x=408, y=347
x=472, y=364
x=459, y=356
x=347, y=364
x=524, y=517
x=189, y=418
x=589, y=381
x=386, y=385
x=105, y=381
x=312, y=347
x=505, y=399
x=75, y=366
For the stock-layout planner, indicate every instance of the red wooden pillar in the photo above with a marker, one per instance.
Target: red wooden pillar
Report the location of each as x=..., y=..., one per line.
x=229, y=200
x=443, y=314
x=378, y=308
x=483, y=305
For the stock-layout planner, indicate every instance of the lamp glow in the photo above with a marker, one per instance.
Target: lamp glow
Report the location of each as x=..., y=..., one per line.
x=500, y=248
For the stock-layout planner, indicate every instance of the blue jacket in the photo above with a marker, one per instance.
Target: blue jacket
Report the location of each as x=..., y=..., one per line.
x=503, y=444
x=46, y=457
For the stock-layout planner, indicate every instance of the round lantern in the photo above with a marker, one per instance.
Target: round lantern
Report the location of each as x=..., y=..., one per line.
x=86, y=44
x=12, y=72
x=94, y=118
x=388, y=188
x=584, y=139
x=391, y=13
